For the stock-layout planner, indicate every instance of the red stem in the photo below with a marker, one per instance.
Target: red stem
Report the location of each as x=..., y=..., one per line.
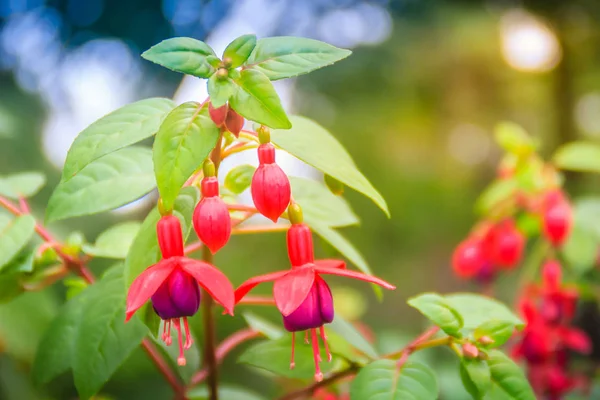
x=225, y=348
x=257, y=301
x=164, y=368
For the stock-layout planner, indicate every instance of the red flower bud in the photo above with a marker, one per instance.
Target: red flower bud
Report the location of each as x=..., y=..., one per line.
x=270, y=188
x=468, y=258
x=212, y=221
x=170, y=236
x=470, y=351
x=556, y=217
x=507, y=244
x=300, y=245
x=234, y=122
x=218, y=115
x=552, y=275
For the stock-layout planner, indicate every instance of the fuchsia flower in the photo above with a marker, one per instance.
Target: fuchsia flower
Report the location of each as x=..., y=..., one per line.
x=173, y=283
x=212, y=221
x=301, y=294
x=270, y=187
x=557, y=217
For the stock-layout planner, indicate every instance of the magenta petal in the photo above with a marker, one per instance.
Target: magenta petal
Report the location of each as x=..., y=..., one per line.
x=315, y=310
x=325, y=300
x=212, y=280
x=177, y=297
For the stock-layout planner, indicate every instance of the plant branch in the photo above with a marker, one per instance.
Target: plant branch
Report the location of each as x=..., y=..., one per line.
x=210, y=357
x=307, y=392
x=164, y=368
x=225, y=348
x=257, y=301
x=259, y=229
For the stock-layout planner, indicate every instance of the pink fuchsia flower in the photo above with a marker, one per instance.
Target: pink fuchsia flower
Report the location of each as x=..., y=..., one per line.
x=507, y=244
x=173, y=285
x=212, y=221
x=557, y=218
x=468, y=257
x=301, y=294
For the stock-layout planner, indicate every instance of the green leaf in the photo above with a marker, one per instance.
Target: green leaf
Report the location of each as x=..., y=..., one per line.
x=121, y=128
x=476, y=377
x=274, y=356
x=438, y=311
x=57, y=347
x=263, y=326
x=497, y=192
x=183, y=142
x=185, y=55
x=383, y=380
x=578, y=156
x=581, y=248
x=514, y=139
x=314, y=145
x=220, y=90
x=256, y=99
x=104, y=341
x=346, y=249
x=225, y=393
x=320, y=205
x=23, y=184
x=508, y=380
x=115, y=241
x=285, y=57
x=476, y=310
x=109, y=182
x=14, y=237
x=352, y=336
x=144, y=251
x=499, y=331
x=239, y=50
x=239, y=178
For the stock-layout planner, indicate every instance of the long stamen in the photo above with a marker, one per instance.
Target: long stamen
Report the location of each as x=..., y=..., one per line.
x=324, y=338
x=306, y=337
x=316, y=355
x=188, y=336
x=181, y=358
x=292, y=362
x=164, y=334
x=168, y=338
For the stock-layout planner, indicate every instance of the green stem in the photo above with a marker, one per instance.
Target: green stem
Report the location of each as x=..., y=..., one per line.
x=210, y=358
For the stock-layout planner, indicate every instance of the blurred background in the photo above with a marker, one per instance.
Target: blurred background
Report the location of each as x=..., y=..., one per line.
x=415, y=105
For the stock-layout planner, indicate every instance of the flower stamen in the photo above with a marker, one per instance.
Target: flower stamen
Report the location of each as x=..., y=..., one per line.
x=316, y=355
x=181, y=359
x=292, y=362
x=188, y=336
x=324, y=339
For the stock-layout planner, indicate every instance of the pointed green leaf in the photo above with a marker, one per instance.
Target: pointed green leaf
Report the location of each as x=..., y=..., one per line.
x=508, y=380
x=239, y=50
x=220, y=90
x=109, y=182
x=14, y=236
x=314, y=145
x=22, y=184
x=477, y=309
x=263, y=326
x=346, y=249
x=438, y=311
x=320, y=205
x=115, y=241
x=578, y=156
x=185, y=55
x=256, y=99
x=285, y=57
x=383, y=380
x=184, y=141
x=121, y=128
x=497, y=192
x=239, y=178
x=104, y=341
x=514, y=139
x=274, y=356
x=499, y=331
x=476, y=377
x=349, y=333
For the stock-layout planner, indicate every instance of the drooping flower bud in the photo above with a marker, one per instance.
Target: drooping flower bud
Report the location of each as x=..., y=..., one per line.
x=170, y=236
x=470, y=351
x=270, y=187
x=468, y=258
x=178, y=296
x=211, y=219
x=315, y=310
x=507, y=244
x=556, y=217
x=226, y=118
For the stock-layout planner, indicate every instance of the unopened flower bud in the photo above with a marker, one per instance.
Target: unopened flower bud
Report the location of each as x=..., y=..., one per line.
x=470, y=351
x=271, y=191
x=486, y=340
x=211, y=219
